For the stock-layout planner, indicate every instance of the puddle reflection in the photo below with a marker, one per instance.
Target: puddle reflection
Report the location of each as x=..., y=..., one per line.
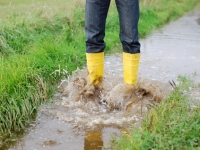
x=93, y=140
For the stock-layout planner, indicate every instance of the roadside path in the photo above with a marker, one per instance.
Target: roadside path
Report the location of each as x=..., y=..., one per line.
x=170, y=51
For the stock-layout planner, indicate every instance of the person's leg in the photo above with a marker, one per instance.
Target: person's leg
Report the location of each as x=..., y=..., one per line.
x=95, y=20
x=129, y=15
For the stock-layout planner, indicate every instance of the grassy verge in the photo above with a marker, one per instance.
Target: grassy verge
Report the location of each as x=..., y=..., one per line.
x=173, y=124
x=38, y=49
x=36, y=53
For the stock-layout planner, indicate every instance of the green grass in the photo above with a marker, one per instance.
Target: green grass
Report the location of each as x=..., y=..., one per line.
x=40, y=46
x=8, y=8
x=173, y=124
x=35, y=55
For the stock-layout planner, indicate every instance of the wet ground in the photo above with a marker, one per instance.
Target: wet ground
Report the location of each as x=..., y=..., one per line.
x=75, y=121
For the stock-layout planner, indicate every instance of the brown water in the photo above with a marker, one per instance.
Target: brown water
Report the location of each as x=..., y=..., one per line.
x=85, y=117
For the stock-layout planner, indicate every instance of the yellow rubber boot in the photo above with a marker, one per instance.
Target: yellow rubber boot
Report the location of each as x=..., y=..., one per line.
x=95, y=66
x=130, y=67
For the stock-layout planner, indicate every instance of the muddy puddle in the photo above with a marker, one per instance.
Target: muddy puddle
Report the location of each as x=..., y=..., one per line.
x=82, y=116
x=109, y=104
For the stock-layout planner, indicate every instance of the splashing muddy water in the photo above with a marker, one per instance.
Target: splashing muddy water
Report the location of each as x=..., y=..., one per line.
x=85, y=117
x=110, y=103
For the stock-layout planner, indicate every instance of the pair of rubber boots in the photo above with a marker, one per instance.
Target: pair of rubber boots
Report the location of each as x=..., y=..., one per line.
x=95, y=65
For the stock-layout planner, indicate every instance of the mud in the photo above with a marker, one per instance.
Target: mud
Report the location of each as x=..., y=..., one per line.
x=85, y=117
x=110, y=103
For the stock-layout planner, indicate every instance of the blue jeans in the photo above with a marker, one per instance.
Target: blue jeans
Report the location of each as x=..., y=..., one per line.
x=95, y=20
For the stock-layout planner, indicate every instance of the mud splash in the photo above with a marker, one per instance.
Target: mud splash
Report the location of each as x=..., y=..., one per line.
x=108, y=104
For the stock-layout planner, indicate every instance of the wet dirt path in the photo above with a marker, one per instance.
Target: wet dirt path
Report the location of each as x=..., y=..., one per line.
x=171, y=51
